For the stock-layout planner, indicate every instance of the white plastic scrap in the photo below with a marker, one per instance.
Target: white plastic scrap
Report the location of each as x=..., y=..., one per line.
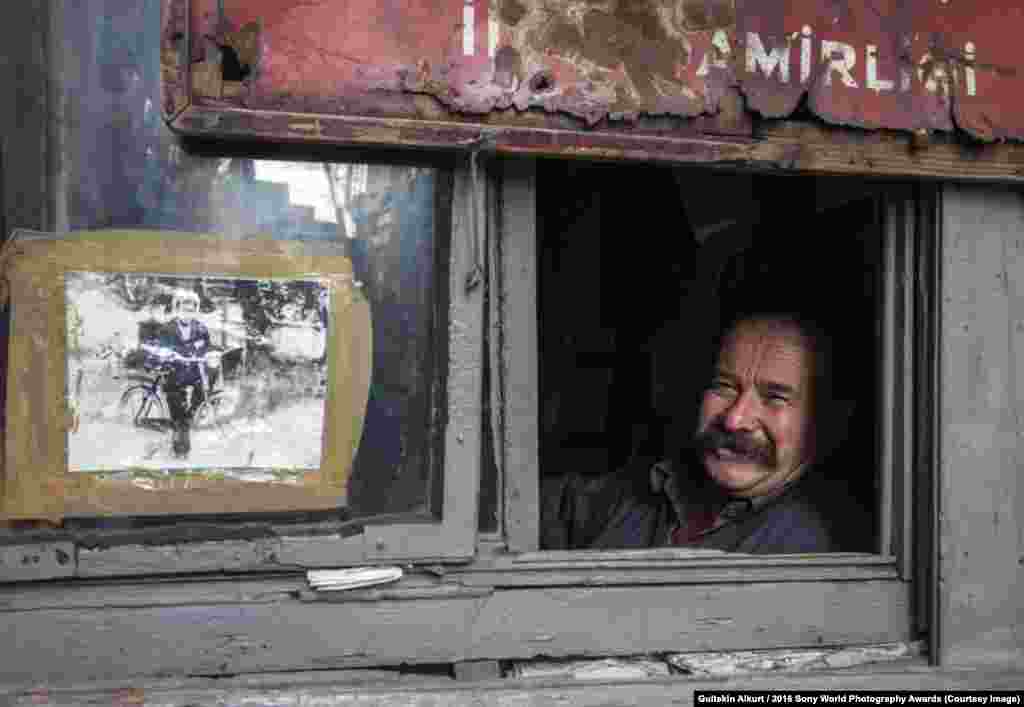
x=351, y=578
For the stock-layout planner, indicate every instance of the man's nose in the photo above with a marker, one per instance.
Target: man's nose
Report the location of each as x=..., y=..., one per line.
x=742, y=414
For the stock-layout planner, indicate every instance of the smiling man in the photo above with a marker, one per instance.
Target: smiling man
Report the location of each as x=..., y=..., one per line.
x=744, y=483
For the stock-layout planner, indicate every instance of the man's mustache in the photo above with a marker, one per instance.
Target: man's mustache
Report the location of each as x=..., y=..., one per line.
x=742, y=443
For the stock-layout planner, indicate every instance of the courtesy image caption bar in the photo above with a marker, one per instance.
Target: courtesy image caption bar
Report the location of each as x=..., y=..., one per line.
x=847, y=697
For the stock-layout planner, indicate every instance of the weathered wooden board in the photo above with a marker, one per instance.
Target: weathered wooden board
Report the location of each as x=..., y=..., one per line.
x=519, y=379
x=232, y=627
x=982, y=428
x=596, y=572
x=335, y=689
x=33, y=561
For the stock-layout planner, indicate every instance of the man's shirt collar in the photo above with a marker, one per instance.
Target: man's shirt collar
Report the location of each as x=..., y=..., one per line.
x=706, y=499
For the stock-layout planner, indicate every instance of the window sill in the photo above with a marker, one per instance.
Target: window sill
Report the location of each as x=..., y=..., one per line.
x=668, y=566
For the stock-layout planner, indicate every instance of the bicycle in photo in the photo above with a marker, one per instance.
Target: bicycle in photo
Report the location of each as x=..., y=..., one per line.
x=218, y=405
x=144, y=404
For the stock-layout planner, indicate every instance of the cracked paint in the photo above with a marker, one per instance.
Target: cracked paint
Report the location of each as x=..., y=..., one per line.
x=914, y=65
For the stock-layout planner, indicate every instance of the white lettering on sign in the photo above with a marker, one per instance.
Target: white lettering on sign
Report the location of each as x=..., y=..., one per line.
x=873, y=81
x=840, y=59
x=805, y=54
x=719, y=42
x=469, y=28
x=758, y=57
x=972, y=86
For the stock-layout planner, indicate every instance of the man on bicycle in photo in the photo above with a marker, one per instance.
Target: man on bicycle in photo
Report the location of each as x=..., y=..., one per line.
x=181, y=344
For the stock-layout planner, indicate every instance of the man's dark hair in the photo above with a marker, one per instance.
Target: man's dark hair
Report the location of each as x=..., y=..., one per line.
x=810, y=327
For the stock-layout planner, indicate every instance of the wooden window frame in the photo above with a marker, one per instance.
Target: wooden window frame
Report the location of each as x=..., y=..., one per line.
x=908, y=345
x=263, y=546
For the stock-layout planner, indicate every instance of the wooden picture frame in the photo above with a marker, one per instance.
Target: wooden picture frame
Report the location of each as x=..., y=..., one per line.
x=36, y=480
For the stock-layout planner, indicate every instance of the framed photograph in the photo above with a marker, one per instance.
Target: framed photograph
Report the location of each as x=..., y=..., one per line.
x=156, y=373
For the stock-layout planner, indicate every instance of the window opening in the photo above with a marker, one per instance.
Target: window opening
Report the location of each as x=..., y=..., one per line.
x=638, y=270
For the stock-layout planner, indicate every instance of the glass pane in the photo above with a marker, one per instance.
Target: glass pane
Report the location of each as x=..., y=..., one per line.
x=122, y=168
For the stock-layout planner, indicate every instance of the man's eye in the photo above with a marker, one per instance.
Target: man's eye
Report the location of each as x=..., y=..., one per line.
x=776, y=399
x=720, y=386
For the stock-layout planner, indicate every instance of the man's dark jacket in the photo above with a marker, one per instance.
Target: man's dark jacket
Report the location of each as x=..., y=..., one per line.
x=169, y=337
x=629, y=509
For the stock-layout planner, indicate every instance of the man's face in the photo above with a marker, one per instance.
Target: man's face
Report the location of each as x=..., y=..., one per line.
x=755, y=431
x=186, y=308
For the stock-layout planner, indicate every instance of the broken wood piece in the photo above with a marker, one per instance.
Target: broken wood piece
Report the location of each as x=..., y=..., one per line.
x=747, y=662
x=606, y=669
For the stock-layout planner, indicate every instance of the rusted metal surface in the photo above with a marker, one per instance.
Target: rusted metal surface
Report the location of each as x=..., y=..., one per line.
x=478, y=61
x=900, y=64
x=590, y=67
x=174, y=64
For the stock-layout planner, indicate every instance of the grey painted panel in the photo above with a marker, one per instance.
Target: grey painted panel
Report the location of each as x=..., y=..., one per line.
x=84, y=596
x=633, y=620
x=455, y=537
x=117, y=643
x=521, y=386
x=228, y=555
x=237, y=629
x=982, y=426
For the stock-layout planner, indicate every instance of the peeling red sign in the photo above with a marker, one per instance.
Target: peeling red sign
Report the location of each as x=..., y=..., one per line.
x=899, y=64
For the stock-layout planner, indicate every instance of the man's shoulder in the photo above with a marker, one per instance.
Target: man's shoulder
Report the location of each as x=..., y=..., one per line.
x=805, y=519
x=605, y=510
x=792, y=524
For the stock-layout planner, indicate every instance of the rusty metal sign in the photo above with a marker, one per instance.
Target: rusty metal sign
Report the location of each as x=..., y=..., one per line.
x=901, y=64
x=618, y=68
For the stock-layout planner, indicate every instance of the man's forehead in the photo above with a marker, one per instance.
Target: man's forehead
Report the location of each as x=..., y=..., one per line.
x=772, y=349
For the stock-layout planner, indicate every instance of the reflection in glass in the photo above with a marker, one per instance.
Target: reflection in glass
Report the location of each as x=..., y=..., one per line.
x=124, y=169
x=382, y=218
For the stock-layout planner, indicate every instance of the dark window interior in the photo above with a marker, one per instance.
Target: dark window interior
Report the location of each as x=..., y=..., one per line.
x=638, y=265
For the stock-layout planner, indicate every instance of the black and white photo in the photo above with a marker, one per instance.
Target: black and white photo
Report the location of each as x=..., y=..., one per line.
x=199, y=373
